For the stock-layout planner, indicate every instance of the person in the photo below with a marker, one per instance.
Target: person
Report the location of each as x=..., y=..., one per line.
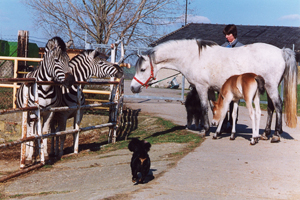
x=230, y=32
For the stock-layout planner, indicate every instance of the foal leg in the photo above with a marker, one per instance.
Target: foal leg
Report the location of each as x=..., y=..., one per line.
x=233, y=117
x=252, y=117
x=257, y=116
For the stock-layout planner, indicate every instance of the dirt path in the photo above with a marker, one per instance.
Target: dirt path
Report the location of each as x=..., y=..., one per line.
x=224, y=169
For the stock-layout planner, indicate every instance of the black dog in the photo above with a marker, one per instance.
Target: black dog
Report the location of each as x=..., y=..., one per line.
x=140, y=161
x=193, y=108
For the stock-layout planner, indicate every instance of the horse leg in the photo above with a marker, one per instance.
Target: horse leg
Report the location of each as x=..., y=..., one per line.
x=189, y=119
x=278, y=125
x=203, y=96
x=270, y=111
x=233, y=117
x=197, y=120
x=277, y=105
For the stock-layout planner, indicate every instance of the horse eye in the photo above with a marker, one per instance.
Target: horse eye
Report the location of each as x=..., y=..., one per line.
x=142, y=70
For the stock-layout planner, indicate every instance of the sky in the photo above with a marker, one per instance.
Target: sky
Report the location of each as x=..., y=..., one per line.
x=14, y=15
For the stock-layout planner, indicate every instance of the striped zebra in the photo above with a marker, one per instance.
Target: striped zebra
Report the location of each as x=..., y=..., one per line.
x=53, y=67
x=83, y=66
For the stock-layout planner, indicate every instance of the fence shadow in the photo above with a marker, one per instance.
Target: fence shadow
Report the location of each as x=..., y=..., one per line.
x=129, y=123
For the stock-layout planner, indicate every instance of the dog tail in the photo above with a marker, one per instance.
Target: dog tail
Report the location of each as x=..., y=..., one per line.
x=260, y=84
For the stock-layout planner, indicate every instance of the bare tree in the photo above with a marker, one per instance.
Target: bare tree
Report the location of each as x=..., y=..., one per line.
x=103, y=21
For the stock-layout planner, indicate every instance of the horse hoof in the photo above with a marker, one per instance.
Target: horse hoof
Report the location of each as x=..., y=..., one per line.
x=275, y=139
x=232, y=136
x=263, y=137
x=214, y=137
x=202, y=133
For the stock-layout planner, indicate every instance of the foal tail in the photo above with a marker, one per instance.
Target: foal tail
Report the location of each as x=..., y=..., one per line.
x=290, y=87
x=260, y=84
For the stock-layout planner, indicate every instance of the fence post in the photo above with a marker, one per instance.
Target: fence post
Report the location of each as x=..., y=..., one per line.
x=22, y=50
x=76, y=135
x=24, y=130
x=37, y=125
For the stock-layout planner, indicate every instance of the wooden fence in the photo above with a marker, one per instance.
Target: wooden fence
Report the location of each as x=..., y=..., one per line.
x=114, y=104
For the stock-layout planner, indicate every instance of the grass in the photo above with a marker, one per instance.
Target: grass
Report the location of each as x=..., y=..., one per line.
x=153, y=129
x=156, y=132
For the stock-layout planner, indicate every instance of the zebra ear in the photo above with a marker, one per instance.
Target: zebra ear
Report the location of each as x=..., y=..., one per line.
x=93, y=54
x=69, y=43
x=51, y=45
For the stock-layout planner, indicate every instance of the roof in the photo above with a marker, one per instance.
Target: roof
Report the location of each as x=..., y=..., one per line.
x=279, y=36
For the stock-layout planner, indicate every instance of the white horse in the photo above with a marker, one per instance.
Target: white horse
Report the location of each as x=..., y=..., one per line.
x=207, y=66
x=246, y=86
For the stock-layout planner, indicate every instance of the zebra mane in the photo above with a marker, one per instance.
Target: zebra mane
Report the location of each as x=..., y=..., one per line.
x=57, y=41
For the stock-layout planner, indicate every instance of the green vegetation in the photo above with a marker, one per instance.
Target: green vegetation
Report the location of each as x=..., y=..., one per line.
x=156, y=130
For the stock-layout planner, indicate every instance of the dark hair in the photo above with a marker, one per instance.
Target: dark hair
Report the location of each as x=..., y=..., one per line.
x=230, y=29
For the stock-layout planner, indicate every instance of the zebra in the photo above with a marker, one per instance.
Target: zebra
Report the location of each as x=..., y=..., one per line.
x=53, y=67
x=83, y=66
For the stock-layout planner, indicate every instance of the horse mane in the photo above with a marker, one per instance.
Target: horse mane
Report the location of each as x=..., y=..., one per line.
x=202, y=44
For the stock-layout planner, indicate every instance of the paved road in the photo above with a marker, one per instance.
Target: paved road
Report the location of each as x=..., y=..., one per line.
x=224, y=169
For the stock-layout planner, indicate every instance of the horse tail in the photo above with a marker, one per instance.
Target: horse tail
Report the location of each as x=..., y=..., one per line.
x=260, y=84
x=290, y=87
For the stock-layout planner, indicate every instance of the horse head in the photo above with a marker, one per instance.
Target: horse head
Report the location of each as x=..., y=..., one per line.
x=144, y=73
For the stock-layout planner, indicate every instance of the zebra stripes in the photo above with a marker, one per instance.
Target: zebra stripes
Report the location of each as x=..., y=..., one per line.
x=53, y=67
x=83, y=67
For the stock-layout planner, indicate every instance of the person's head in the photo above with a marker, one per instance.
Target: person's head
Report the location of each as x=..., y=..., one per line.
x=230, y=32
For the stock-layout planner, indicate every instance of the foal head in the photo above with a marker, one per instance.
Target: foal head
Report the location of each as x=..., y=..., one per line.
x=218, y=110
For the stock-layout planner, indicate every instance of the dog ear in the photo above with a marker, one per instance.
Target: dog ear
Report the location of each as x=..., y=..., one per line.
x=147, y=146
x=133, y=144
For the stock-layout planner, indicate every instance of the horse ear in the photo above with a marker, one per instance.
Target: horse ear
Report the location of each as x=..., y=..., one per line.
x=141, y=56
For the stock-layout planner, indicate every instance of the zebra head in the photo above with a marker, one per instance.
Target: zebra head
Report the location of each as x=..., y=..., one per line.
x=56, y=61
x=102, y=68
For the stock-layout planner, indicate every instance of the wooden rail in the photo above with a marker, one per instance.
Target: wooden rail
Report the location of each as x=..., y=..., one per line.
x=16, y=72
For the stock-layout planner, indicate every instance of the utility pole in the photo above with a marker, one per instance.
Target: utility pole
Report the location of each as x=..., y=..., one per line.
x=185, y=21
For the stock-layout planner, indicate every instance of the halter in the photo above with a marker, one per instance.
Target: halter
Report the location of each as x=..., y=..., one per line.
x=150, y=78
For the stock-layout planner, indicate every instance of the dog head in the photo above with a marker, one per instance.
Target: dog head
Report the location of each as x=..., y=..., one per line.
x=139, y=146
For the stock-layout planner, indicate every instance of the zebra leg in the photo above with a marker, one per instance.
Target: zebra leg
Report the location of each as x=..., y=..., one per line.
x=29, y=145
x=46, y=128
x=62, y=141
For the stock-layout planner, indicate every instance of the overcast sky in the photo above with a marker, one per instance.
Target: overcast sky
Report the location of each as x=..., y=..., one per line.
x=15, y=16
